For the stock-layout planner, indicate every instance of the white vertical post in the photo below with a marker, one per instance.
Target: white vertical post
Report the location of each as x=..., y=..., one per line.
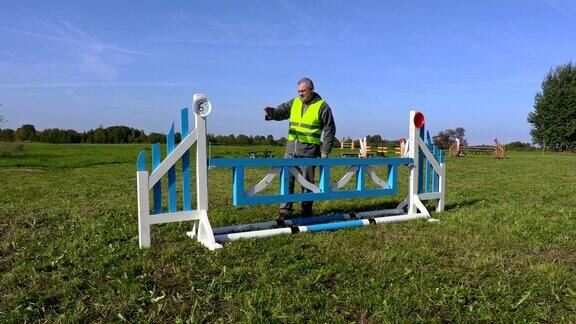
x=201, y=164
x=204, y=234
x=441, y=189
x=413, y=151
x=457, y=147
x=143, y=208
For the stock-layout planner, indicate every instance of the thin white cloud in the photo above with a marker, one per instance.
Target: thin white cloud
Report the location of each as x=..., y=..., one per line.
x=92, y=56
x=521, y=37
x=72, y=94
x=207, y=29
x=94, y=84
x=565, y=7
x=231, y=42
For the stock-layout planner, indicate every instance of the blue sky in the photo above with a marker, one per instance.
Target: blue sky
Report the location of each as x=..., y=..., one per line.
x=471, y=64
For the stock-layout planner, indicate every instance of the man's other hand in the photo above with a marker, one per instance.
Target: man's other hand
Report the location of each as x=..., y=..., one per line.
x=323, y=155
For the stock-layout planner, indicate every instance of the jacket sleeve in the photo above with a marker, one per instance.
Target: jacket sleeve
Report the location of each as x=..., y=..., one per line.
x=328, y=129
x=282, y=112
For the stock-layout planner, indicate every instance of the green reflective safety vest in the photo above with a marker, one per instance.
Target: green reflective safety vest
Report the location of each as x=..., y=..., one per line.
x=305, y=128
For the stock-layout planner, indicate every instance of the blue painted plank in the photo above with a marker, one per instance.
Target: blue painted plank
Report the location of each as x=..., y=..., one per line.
x=157, y=189
x=319, y=219
x=435, y=177
x=237, y=185
x=278, y=162
x=141, y=161
x=170, y=145
x=284, y=180
x=421, y=158
x=429, y=168
x=393, y=178
x=335, y=226
x=360, y=181
x=325, y=178
x=186, y=195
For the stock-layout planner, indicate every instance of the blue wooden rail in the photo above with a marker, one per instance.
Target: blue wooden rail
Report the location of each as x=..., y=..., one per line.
x=428, y=178
x=325, y=190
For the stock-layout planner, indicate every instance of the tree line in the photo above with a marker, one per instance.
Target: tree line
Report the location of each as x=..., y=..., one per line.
x=122, y=134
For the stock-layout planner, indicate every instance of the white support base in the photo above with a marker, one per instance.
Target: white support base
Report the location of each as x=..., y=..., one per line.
x=209, y=245
x=164, y=218
x=145, y=222
x=202, y=231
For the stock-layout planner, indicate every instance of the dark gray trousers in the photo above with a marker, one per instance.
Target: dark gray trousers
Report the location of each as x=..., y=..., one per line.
x=308, y=172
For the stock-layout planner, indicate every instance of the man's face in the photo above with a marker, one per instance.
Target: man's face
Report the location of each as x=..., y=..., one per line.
x=305, y=92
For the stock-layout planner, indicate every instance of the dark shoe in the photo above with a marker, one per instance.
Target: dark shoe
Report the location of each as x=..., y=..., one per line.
x=282, y=216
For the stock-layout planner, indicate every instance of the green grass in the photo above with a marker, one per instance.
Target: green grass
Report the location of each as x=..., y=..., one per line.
x=504, y=250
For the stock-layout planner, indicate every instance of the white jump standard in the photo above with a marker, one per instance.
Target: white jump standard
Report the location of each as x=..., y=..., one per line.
x=427, y=174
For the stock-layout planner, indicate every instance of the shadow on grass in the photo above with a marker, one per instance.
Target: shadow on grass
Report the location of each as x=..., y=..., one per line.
x=366, y=207
x=392, y=205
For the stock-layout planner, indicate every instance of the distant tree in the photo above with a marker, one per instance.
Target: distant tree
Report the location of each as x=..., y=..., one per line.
x=117, y=134
x=55, y=135
x=7, y=135
x=375, y=140
x=99, y=136
x=270, y=140
x=243, y=140
x=156, y=138
x=378, y=140
x=26, y=133
x=445, y=138
x=554, y=117
x=517, y=145
x=282, y=141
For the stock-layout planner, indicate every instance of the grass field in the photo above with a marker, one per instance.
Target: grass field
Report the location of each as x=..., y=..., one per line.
x=504, y=250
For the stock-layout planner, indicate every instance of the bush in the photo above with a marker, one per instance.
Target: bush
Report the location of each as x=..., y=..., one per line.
x=10, y=148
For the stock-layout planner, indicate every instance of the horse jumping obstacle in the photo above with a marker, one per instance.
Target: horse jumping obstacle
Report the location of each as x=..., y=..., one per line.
x=499, y=150
x=425, y=162
x=365, y=150
x=351, y=144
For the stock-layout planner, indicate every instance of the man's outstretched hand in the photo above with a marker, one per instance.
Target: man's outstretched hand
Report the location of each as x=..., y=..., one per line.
x=323, y=155
x=268, y=113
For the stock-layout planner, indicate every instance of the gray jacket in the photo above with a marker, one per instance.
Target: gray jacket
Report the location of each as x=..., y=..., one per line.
x=298, y=149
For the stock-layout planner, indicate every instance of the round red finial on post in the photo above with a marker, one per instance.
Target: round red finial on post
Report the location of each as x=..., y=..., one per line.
x=419, y=120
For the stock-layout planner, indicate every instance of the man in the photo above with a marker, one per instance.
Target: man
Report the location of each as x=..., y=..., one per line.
x=309, y=116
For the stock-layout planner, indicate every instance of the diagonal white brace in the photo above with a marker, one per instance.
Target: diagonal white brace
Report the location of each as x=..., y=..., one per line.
x=302, y=180
x=264, y=182
x=375, y=178
x=345, y=179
